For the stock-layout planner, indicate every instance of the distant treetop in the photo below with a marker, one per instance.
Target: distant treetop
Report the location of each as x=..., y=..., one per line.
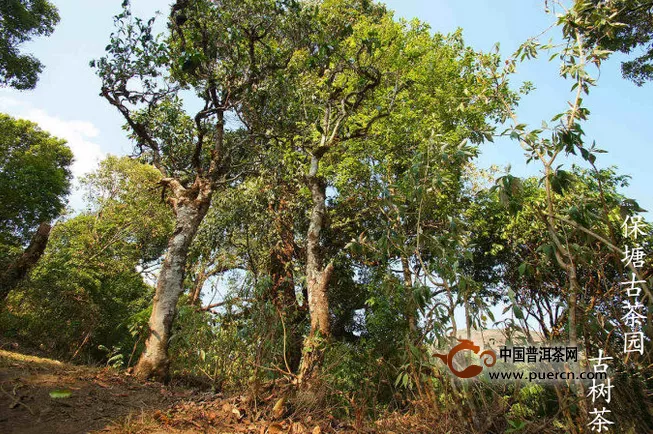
x=624, y=26
x=20, y=20
x=34, y=178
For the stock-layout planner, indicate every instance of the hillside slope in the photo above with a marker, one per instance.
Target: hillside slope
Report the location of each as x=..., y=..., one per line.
x=40, y=395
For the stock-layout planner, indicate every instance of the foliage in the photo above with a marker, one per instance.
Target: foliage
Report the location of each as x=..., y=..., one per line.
x=336, y=143
x=21, y=20
x=620, y=26
x=91, y=279
x=34, y=180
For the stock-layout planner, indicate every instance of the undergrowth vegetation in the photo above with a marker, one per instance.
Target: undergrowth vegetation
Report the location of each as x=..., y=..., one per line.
x=317, y=236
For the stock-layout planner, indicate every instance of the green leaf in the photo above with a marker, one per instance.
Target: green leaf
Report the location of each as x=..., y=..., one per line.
x=60, y=393
x=522, y=268
x=399, y=378
x=517, y=311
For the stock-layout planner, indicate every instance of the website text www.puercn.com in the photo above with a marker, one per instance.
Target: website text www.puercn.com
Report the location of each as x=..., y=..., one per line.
x=546, y=376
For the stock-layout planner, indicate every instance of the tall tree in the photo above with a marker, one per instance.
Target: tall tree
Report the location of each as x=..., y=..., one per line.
x=340, y=86
x=19, y=21
x=220, y=50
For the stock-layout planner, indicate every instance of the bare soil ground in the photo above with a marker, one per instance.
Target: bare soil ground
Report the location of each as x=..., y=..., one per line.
x=105, y=400
x=98, y=399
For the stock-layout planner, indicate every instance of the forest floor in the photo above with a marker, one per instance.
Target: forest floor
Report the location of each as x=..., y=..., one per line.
x=40, y=395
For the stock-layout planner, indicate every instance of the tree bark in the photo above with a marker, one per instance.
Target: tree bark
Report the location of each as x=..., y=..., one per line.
x=282, y=292
x=574, y=290
x=202, y=276
x=317, y=280
x=154, y=361
x=19, y=268
x=411, y=305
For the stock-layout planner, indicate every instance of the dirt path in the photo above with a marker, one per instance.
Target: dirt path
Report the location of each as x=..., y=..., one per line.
x=103, y=400
x=106, y=401
x=98, y=398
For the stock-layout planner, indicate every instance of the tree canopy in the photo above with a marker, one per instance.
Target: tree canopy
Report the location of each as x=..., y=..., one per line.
x=20, y=20
x=623, y=26
x=303, y=224
x=34, y=178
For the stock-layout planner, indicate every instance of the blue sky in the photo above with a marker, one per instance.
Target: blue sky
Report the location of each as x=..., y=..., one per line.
x=66, y=100
x=620, y=119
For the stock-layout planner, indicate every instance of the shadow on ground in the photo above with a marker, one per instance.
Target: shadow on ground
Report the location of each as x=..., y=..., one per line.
x=107, y=401
x=99, y=398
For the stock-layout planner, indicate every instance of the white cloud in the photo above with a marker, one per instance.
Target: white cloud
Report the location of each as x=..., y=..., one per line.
x=78, y=134
x=8, y=104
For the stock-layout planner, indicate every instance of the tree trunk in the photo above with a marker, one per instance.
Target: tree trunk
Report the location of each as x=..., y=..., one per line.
x=574, y=290
x=202, y=276
x=317, y=280
x=19, y=268
x=154, y=362
x=411, y=305
x=283, y=284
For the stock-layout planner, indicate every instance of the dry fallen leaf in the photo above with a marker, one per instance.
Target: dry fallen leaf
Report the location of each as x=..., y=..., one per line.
x=278, y=410
x=317, y=430
x=297, y=428
x=275, y=428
